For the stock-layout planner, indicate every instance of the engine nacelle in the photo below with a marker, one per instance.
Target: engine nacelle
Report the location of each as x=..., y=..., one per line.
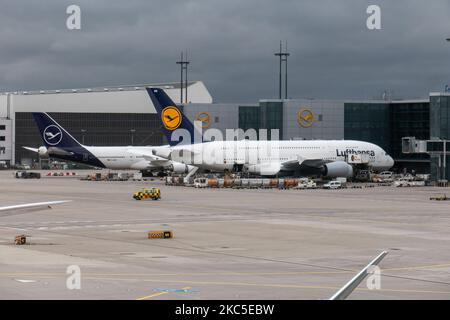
x=265, y=169
x=338, y=169
x=43, y=151
x=179, y=167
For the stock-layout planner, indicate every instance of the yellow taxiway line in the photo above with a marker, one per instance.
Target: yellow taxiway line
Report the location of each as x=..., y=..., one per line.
x=158, y=294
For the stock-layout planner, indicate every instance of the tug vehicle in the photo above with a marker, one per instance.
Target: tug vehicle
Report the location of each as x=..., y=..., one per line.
x=148, y=193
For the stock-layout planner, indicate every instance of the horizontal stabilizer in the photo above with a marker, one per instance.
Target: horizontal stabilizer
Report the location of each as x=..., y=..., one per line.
x=149, y=156
x=31, y=149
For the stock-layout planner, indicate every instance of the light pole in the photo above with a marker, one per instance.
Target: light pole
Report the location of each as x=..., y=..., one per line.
x=184, y=71
x=283, y=56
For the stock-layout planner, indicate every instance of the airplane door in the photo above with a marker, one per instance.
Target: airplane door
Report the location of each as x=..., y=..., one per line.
x=245, y=152
x=240, y=155
x=329, y=152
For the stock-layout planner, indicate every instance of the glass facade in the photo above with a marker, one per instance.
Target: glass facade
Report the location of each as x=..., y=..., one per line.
x=92, y=129
x=271, y=117
x=440, y=129
x=268, y=115
x=440, y=117
x=368, y=122
x=385, y=124
x=410, y=119
x=249, y=117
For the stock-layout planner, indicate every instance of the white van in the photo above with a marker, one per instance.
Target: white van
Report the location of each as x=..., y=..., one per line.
x=386, y=176
x=333, y=185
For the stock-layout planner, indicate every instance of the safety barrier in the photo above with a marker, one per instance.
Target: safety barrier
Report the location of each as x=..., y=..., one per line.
x=61, y=174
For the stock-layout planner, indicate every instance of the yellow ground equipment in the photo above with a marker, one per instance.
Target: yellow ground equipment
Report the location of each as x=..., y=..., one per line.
x=160, y=234
x=151, y=193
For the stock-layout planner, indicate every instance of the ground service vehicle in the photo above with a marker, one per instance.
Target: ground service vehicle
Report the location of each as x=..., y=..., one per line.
x=148, y=193
x=27, y=175
x=333, y=185
x=306, y=184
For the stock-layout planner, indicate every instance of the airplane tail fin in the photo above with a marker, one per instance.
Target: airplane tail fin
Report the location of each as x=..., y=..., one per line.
x=52, y=133
x=172, y=118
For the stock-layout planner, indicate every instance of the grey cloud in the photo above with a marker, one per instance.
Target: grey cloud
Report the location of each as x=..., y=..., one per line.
x=231, y=45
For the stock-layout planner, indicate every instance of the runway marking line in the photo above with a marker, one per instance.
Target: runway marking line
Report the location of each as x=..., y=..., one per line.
x=159, y=294
x=412, y=268
x=435, y=266
x=7, y=274
x=263, y=285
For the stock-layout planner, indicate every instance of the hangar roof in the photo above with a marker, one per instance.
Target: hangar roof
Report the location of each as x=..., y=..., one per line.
x=118, y=99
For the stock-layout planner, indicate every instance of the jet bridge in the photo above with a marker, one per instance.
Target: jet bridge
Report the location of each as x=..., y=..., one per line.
x=435, y=147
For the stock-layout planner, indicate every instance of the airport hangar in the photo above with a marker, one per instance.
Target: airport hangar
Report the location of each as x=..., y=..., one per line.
x=124, y=115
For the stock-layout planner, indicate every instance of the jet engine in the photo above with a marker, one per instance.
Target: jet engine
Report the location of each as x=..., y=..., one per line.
x=337, y=169
x=43, y=151
x=179, y=167
x=265, y=169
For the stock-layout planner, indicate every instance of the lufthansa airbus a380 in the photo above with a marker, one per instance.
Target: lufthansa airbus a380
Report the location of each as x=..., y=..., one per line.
x=329, y=158
x=60, y=144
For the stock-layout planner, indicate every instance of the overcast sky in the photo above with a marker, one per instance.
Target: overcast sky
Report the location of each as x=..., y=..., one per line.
x=231, y=45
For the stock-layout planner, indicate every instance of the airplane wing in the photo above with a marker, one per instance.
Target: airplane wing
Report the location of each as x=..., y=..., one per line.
x=350, y=286
x=296, y=164
x=10, y=210
x=175, y=154
x=52, y=150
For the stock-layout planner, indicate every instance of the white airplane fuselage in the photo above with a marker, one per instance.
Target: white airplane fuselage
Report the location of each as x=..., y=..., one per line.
x=122, y=158
x=224, y=155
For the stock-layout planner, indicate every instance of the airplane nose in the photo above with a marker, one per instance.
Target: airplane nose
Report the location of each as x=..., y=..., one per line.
x=391, y=161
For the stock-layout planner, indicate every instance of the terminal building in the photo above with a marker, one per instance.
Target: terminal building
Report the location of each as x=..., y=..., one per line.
x=125, y=116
